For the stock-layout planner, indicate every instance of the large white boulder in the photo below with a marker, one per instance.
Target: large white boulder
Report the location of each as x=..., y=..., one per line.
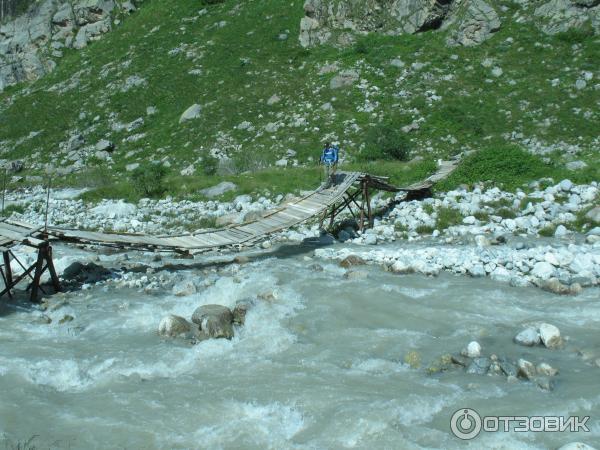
x=543, y=270
x=550, y=335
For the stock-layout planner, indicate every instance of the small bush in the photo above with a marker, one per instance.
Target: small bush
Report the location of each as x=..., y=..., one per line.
x=428, y=208
x=210, y=164
x=575, y=35
x=583, y=223
x=458, y=119
x=148, y=180
x=361, y=47
x=10, y=209
x=506, y=213
x=482, y=216
x=548, y=231
x=447, y=217
x=424, y=229
x=211, y=2
x=386, y=141
x=207, y=222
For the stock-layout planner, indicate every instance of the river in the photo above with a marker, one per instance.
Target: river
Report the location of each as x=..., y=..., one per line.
x=318, y=365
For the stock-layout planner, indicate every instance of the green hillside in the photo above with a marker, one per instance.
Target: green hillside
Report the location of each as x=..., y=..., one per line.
x=231, y=58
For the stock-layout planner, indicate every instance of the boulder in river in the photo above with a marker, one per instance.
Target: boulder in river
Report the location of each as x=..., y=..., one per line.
x=216, y=321
x=526, y=369
x=460, y=360
x=528, y=337
x=546, y=370
x=545, y=383
x=352, y=260
x=241, y=309
x=473, y=350
x=173, y=326
x=550, y=335
x=86, y=273
x=509, y=369
x=479, y=366
x=66, y=318
x=554, y=285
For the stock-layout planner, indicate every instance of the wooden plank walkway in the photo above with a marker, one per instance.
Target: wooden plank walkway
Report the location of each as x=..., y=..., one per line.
x=276, y=220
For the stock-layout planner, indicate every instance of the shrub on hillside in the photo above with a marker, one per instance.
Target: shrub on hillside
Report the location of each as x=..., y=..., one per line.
x=386, y=141
x=210, y=164
x=148, y=180
x=576, y=35
x=361, y=47
x=211, y=2
x=507, y=165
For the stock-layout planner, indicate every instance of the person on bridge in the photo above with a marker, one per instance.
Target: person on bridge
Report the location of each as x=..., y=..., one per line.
x=330, y=158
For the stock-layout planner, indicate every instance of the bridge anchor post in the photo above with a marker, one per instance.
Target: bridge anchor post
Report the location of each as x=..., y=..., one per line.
x=44, y=256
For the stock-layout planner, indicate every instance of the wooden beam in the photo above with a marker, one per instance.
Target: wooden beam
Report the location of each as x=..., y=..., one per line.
x=369, y=212
x=39, y=270
x=8, y=279
x=7, y=285
x=18, y=279
x=363, y=186
x=52, y=270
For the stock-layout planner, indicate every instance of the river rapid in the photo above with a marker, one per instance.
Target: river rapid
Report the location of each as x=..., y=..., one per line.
x=319, y=364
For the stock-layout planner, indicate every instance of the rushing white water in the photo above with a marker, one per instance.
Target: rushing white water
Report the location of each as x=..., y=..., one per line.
x=319, y=366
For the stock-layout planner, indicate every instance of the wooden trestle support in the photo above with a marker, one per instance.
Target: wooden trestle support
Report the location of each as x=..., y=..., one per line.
x=34, y=272
x=363, y=214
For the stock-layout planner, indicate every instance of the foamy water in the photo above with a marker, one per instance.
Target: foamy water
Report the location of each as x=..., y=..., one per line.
x=319, y=366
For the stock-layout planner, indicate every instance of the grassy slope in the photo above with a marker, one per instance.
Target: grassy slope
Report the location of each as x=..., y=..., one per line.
x=243, y=64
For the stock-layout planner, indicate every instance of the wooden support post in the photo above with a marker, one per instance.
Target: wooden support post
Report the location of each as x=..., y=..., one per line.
x=39, y=269
x=6, y=285
x=369, y=212
x=361, y=225
x=44, y=256
x=334, y=210
x=323, y=217
x=51, y=269
x=8, y=279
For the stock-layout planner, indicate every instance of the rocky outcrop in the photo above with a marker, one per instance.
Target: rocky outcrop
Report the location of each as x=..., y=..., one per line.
x=30, y=44
x=471, y=23
x=559, y=16
x=335, y=21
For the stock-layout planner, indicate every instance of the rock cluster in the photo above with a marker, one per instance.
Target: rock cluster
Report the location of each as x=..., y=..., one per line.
x=207, y=322
x=148, y=216
x=544, y=334
x=577, y=266
x=473, y=362
x=558, y=16
x=470, y=22
x=30, y=44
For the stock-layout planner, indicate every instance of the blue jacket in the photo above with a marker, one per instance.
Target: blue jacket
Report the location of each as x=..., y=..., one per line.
x=330, y=155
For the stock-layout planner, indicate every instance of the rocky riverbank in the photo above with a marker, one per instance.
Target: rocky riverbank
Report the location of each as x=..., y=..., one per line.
x=478, y=232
